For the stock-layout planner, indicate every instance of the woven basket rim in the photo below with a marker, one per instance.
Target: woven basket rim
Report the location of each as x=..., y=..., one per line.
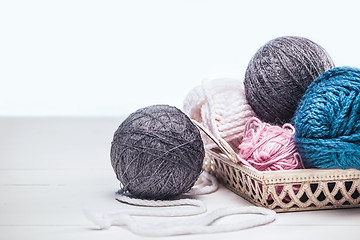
x=290, y=176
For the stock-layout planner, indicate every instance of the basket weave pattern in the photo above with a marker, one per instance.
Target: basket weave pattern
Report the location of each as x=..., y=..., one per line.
x=290, y=190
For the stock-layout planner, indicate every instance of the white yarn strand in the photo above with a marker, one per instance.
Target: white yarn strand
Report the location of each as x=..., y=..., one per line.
x=206, y=184
x=184, y=207
x=116, y=217
x=200, y=225
x=159, y=208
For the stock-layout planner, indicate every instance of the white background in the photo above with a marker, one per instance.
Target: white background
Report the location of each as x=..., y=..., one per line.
x=106, y=58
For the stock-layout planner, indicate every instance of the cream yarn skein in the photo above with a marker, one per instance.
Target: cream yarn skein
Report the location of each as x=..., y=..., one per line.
x=221, y=107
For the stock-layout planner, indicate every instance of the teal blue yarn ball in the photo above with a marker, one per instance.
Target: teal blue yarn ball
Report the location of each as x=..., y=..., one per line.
x=327, y=120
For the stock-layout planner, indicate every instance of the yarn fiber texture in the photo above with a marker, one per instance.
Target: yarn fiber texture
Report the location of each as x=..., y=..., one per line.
x=269, y=147
x=327, y=120
x=157, y=153
x=279, y=73
x=221, y=107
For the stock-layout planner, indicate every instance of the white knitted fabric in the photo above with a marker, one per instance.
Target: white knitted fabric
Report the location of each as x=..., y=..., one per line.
x=221, y=107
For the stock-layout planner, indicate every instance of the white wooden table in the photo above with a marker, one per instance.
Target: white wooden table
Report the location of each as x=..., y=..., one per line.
x=53, y=168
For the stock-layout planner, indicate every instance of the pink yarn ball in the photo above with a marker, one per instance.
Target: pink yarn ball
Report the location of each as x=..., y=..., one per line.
x=268, y=147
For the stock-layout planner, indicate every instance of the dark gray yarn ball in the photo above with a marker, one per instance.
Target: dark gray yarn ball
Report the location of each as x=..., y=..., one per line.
x=157, y=153
x=279, y=73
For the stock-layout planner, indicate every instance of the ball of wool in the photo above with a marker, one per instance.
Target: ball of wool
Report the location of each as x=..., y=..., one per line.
x=279, y=73
x=327, y=120
x=221, y=107
x=157, y=153
x=269, y=147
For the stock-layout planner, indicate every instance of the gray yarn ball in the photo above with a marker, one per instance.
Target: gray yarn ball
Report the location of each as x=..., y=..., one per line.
x=157, y=153
x=279, y=73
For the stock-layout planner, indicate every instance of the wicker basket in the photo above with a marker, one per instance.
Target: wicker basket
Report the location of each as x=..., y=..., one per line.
x=284, y=191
